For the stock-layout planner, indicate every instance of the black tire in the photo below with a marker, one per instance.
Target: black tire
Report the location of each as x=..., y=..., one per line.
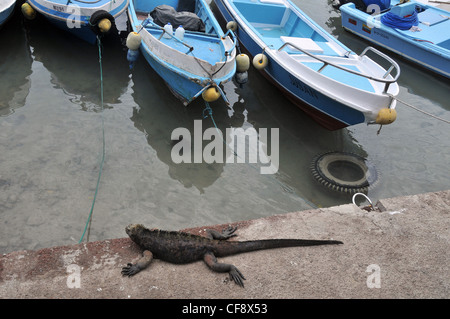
x=344, y=172
x=97, y=17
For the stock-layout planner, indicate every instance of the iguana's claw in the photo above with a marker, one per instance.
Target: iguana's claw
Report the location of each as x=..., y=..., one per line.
x=130, y=270
x=229, y=232
x=237, y=277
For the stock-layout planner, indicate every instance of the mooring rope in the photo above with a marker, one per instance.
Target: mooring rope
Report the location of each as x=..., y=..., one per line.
x=88, y=222
x=426, y=113
x=208, y=112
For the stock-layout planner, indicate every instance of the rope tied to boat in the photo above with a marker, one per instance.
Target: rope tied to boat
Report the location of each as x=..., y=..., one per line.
x=88, y=222
x=423, y=112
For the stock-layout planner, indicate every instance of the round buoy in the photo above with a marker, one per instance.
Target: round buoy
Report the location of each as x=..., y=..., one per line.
x=242, y=62
x=344, y=172
x=260, y=61
x=28, y=11
x=241, y=77
x=133, y=41
x=98, y=22
x=386, y=116
x=132, y=56
x=104, y=25
x=232, y=25
x=211, y=94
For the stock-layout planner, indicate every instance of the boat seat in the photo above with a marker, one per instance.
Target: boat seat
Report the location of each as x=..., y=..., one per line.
x=430, y=17
x=404, y=9
x=303, y=43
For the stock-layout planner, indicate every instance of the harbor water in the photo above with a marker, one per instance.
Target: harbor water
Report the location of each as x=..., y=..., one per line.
x=53, y=126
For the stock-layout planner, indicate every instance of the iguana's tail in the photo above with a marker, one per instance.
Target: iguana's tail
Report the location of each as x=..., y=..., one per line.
x=231, y=248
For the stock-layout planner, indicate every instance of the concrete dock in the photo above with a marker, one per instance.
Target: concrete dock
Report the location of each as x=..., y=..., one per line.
x=401, y=251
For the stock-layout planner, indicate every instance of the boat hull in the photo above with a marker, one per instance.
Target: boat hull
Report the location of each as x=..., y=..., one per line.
x=416, y=47
x=75, y=16
x=183, y=87
x=186, y=76
x=6, y=12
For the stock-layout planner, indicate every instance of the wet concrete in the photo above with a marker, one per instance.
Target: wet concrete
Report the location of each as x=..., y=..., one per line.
x=402, y=252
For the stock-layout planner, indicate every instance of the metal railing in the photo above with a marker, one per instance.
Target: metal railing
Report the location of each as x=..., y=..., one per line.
x=384, y=79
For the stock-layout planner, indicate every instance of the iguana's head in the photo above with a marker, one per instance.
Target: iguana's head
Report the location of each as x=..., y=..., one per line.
x=133, y=229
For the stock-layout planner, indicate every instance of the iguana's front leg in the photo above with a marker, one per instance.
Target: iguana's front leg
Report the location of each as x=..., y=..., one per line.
x=225, y=234
x=235, y=274
x=130, y=269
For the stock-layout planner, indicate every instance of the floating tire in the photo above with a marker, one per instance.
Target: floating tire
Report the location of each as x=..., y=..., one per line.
x=96, y=17
x=344, y=172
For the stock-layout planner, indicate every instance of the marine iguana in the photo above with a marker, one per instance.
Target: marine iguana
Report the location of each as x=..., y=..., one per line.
x=181, y=248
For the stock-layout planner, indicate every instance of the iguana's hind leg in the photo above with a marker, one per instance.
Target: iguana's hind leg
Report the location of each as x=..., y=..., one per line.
x=225, y=234
x=235, y=274
x=130, y=269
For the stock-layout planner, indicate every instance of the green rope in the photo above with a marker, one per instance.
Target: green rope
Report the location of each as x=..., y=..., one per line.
x=88, y=223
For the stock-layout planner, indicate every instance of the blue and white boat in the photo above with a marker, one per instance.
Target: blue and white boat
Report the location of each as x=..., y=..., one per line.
x=335, y=86
x=419, y=32
x=84, y=18
x=6, y=10
x=200, y=62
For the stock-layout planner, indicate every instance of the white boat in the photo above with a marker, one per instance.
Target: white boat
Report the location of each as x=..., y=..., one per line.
x=334, y=85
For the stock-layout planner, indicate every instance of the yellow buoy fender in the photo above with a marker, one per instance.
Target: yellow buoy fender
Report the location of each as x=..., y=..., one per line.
x=211, y=94
x=386, y=116
x=104, y=25
x=242, y=62
x=232, y=25
x=28, y=11
x=260, y=61
x=101, y=21
x=133, y=41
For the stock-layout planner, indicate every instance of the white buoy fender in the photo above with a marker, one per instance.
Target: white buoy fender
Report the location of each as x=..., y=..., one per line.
x=260, y=61
x=133, y=41
x=242, y=62
x=232, y=25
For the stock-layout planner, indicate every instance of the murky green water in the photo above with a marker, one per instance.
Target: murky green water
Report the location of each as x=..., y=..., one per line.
x=51, y=143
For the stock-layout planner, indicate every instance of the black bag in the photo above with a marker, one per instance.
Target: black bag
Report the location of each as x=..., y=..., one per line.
x=164, y=14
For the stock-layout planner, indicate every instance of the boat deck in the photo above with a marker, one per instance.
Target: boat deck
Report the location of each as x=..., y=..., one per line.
x=434, y=28
x=276, y=24
x=207, y=47
x=343, y=76
x=273, y=36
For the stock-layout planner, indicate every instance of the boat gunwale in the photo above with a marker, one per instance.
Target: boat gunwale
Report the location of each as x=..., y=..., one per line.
x=83, y=18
